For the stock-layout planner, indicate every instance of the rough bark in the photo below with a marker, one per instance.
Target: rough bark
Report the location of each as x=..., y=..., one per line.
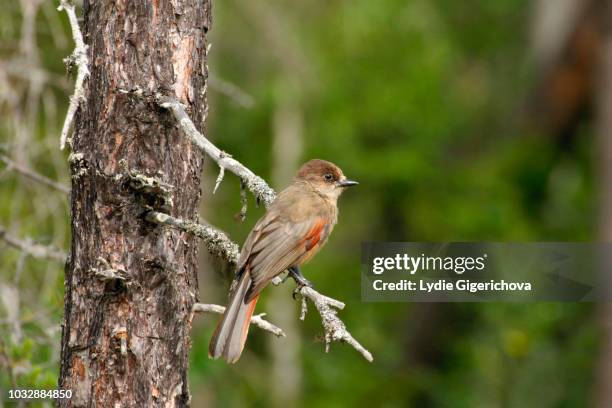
x=130, y=284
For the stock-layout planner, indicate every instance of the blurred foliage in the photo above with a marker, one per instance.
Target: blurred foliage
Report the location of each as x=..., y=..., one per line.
x=34, y=89
x=421, y=101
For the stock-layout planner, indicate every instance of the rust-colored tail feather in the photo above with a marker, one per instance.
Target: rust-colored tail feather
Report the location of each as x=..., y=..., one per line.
x=231, y=332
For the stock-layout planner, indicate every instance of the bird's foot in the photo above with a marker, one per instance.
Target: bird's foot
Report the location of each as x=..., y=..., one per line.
x=302, y=281
x=297, y=290
x=299, y=279
x=297, y=276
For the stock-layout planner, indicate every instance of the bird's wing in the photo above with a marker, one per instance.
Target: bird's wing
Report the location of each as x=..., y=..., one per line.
x=267, y=224
x=279, y=245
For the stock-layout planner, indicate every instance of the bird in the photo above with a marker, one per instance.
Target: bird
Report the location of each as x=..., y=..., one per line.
x=294, y=228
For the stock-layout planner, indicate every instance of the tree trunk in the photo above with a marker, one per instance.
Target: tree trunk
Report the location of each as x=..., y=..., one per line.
x=130, y=285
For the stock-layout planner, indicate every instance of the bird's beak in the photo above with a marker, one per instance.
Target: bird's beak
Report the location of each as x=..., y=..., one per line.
x=347, y=183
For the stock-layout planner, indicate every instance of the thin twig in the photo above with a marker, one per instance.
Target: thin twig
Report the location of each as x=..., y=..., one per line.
x=253, y=182
x=219, y=179
x=19, y=268
x=79, y=58
x=32, y=175
x=232, y=91
x=31, y=248
x=335, y=329
x=9, y=296
x=217, y=243
x=257, y=320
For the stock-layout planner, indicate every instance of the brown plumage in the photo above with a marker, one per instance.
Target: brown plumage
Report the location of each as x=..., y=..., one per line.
x=291, y=232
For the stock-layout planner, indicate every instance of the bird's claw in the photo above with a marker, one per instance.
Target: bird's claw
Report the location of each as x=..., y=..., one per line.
x=301, y=282
x=299, y=279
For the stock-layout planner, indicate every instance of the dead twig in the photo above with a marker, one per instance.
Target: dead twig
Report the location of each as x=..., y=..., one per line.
x=78, y=58
x=252, y=182
x=257, y=320
x=32, y=175
x=31, y=248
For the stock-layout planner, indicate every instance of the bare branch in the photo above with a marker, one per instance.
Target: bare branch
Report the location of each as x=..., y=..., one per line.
x=32, y=175
x=335, y=329
x=257, y=320
x=31, y=248
x=217, y=243
x=79, y=58
x=254, y=183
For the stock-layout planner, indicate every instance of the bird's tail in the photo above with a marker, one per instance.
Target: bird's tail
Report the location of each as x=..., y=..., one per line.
x=231, y=332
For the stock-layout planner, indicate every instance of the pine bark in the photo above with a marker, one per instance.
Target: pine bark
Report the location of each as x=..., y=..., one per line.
x=130, y=285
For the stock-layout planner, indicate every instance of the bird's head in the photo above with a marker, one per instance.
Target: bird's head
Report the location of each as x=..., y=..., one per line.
x=325, y=177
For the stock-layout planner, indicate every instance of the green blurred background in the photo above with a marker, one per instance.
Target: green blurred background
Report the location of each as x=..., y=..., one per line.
x=450, y=116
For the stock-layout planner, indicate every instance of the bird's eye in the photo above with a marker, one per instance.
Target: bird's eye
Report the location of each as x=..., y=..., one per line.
x=329, y=177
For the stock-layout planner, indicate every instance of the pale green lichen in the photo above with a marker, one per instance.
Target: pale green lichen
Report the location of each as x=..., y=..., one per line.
x=149, y=185
x=78, y=164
